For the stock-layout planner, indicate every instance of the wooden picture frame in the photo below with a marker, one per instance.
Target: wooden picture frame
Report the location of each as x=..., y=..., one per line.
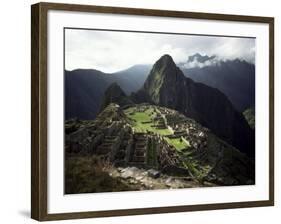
x=39, y=109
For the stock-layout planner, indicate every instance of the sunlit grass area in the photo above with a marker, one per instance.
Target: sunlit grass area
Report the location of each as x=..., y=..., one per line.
x=143, y=122
x=178, y=143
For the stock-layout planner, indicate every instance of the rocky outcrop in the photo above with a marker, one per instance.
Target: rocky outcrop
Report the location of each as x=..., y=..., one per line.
x=114, y=94
x=249, y=115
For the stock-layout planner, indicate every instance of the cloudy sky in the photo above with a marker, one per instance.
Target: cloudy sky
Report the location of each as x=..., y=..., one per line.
x=111, y=51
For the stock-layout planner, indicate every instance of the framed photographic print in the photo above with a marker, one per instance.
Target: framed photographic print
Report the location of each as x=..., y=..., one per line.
x=139, y=111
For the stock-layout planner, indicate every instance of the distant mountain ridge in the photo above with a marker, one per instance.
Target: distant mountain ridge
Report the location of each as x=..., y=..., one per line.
x=84, y=88
x=235, y=78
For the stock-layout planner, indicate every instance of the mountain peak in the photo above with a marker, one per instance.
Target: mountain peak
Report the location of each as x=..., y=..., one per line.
x=114, y=94
x=165, y=60
x=164, y=75
x=166, y=57
x=115, y=88
x=164, y=70
x=165, y=67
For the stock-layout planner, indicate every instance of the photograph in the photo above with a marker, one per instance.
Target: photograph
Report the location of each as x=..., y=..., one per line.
x=150, y=111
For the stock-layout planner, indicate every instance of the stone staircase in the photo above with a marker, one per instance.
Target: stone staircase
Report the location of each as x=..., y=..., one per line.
x=109, y=146
x=140, y=148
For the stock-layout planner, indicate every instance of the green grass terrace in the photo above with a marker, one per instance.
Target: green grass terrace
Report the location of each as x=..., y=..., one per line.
x=143, y=122
x=179, y=143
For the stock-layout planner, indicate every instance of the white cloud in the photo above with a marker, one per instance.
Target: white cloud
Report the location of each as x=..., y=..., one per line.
x=110, y=51
x=196, y=63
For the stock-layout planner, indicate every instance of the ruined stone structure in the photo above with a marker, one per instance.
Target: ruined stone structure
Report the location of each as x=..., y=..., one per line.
x=112, y=137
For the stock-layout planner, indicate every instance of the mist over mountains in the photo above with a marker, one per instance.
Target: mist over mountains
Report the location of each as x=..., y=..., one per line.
x=84, y=88
x=235, y=78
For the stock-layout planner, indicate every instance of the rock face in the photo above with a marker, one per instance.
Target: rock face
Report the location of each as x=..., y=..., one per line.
x=114, y=94
x=249, y=115
x=167, y=86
